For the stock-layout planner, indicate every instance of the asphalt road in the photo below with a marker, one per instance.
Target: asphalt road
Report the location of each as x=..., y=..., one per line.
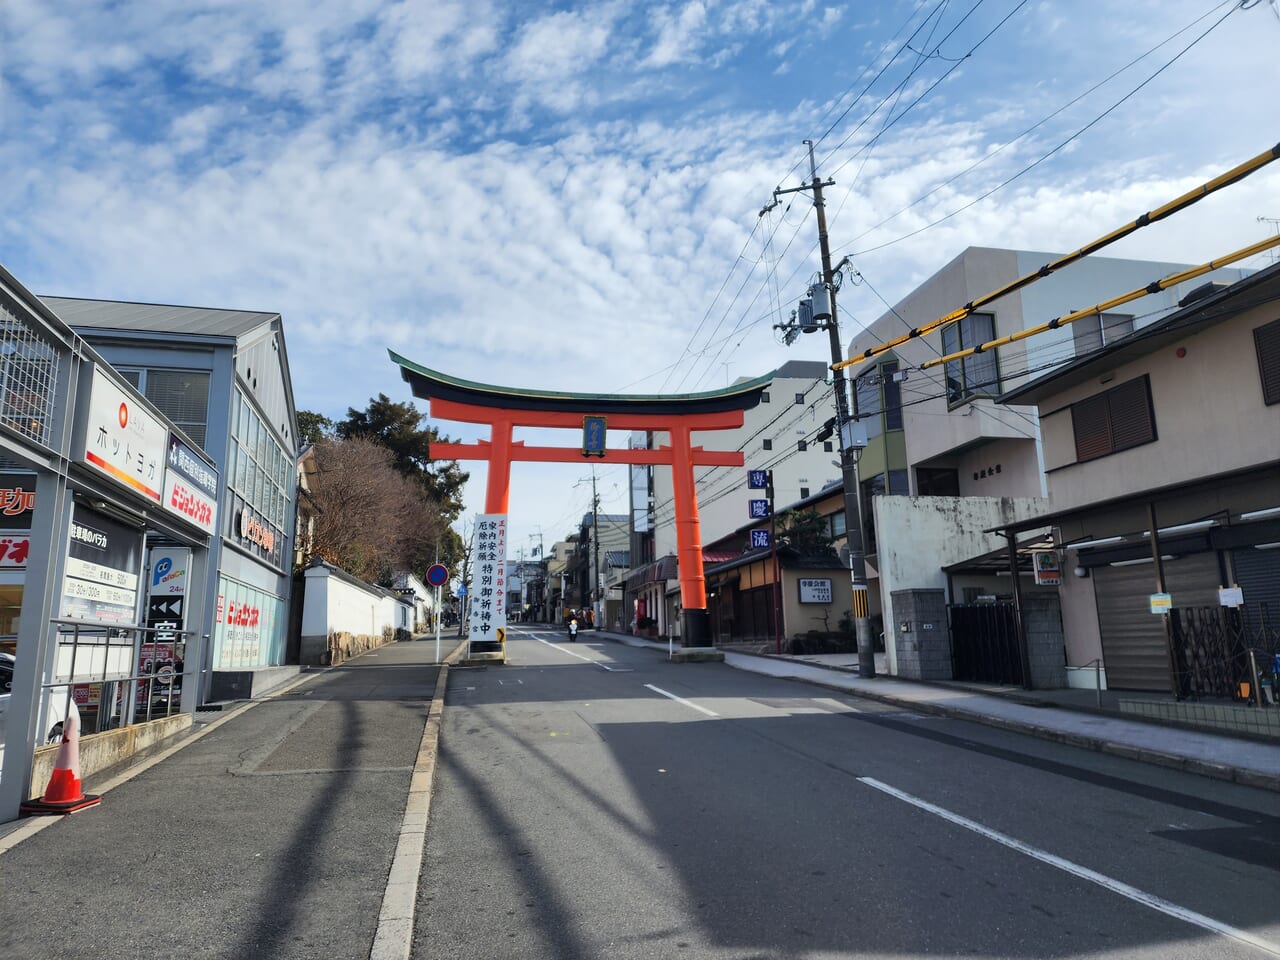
x=594, y=801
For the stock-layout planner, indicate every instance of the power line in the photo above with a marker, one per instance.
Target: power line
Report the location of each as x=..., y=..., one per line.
x=1035, y=163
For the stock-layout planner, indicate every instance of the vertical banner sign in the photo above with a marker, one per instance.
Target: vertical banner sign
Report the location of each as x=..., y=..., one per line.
x=489, y=586
x=161, y=653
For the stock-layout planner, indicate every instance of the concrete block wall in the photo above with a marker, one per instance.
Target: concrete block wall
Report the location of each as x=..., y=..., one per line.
x=921, y=638
x=1042, y=618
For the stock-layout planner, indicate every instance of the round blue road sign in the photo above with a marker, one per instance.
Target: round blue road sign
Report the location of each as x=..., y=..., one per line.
x=437, y=574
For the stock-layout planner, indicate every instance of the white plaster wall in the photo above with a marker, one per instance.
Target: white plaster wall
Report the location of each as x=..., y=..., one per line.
x=331, y=604
x=918, y=536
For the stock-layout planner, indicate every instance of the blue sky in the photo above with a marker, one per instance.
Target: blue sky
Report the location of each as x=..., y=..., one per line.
x=567, y=195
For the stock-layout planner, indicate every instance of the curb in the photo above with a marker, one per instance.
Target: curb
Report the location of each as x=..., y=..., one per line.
x=393, y=939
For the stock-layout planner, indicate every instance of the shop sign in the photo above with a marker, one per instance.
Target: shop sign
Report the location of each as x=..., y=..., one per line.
x=1047, y=566
x=17, y=500
x=255, y=531
x=815, y=589
x=103, y=560
x=169, y=567
x=489, y=586
x=1161, y=602
x=123, y=441
x=14, y=550
x=190, y=486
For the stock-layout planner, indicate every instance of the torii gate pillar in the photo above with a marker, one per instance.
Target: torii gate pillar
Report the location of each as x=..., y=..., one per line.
x=677, y=415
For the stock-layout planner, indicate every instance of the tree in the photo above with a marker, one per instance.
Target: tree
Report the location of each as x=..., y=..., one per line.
x=371, y=520
x=313, y=427
x=806, y=532
x=397, y=427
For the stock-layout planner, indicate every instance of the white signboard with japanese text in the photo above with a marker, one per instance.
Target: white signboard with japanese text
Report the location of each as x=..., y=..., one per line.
x=489, y=581
x=815, y=589
x=123, y=441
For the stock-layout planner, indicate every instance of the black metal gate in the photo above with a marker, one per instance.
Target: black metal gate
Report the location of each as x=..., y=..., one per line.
x=984, y=643
x=1216, y=649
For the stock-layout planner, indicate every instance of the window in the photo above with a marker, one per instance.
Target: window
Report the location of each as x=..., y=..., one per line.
x=1114, y=420
x=1267, y=339
x=801, y=446
x=867, y=398
x=826, y=447
x=804, y=492
x=975, y=375
x=764, y=396
x=837, y=524
x=766, y=444
x=937, y=482
x=183, y=397
x=800, y=399
x=1093, y=333
x=892, y=396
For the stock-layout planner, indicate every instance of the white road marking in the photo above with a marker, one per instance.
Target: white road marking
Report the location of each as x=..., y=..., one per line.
x=561, y=649
x=1115, y=886
x=687, y=703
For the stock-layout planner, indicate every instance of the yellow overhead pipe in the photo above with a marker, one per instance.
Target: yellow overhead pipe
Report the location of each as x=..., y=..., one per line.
x=1155, y=287
x=1173, y=206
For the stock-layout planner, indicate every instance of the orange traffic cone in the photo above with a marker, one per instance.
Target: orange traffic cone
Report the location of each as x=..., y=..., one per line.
x=63, y=794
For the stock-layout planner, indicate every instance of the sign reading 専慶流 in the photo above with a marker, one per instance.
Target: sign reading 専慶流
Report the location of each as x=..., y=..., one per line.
x=815, y=589
x=489, y=582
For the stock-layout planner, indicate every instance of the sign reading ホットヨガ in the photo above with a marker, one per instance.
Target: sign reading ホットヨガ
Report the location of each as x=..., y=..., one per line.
x=122, y=440
x=489, y=584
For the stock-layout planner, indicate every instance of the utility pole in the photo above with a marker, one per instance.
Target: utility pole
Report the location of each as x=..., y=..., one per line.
x=598, y=615
x=848, y=452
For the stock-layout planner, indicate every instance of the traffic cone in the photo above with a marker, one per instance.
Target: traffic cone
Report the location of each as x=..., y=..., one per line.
x=63, y=794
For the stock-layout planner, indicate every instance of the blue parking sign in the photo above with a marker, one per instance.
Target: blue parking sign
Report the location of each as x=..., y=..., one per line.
x=760, y=539
x=759, y=508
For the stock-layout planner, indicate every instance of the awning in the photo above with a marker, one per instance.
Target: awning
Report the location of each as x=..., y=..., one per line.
x=659, y=571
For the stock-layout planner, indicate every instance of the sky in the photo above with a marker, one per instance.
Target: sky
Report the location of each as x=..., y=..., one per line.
x=573, y=196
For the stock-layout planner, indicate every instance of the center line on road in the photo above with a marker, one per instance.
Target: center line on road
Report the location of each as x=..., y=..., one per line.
x=561, y=649
x=1115, y=886
x=687, y=703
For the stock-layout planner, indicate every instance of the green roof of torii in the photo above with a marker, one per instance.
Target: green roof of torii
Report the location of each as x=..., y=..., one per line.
x=427, y=383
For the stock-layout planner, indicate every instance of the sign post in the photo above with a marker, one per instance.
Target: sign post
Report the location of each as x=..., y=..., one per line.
x=437, y=576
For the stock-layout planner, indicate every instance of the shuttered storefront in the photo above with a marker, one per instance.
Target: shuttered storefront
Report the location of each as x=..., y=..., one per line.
x=1133, y=645
x=1258, y=575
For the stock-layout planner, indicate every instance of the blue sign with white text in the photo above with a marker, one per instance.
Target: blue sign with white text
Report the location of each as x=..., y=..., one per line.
x=759, y=539
x=757, y=479
x=759, y=508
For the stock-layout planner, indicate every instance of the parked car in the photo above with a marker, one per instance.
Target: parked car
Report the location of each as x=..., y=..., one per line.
x=55, y=699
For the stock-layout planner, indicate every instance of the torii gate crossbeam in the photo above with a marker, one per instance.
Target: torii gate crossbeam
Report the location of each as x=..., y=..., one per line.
x=504, y=409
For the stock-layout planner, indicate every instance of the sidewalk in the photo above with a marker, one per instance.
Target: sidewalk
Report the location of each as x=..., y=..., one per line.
x=1065, y=716
x=284, y=828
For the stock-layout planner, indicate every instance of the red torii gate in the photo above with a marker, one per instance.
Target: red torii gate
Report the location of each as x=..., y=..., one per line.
x=679, y=415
